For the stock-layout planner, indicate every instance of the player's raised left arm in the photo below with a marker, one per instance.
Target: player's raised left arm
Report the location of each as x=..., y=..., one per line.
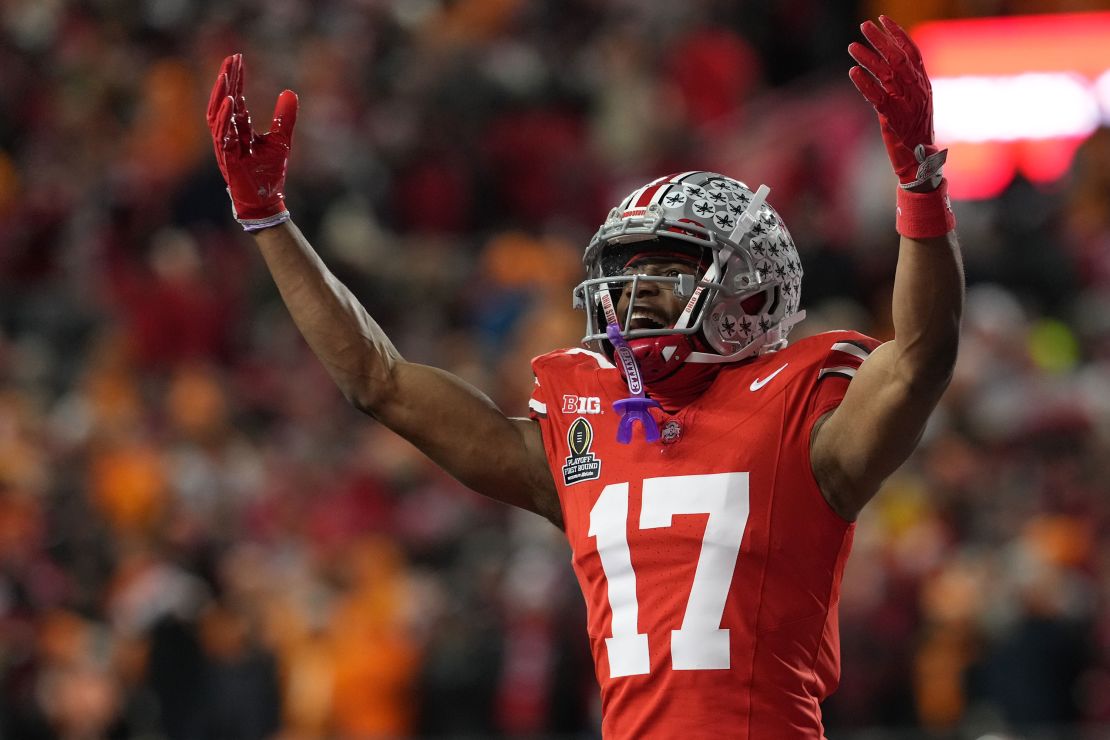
x=880, y=420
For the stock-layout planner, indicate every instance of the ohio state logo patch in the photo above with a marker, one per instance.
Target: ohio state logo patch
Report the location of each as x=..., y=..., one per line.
x=672, y=432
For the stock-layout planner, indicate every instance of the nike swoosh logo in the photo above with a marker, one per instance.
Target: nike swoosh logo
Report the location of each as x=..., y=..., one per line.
x=760, y=382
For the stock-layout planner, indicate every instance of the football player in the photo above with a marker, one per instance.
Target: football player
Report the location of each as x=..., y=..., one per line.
x=706, y=473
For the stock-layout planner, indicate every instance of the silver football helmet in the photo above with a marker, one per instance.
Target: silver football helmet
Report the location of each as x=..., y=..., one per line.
x=742, y=303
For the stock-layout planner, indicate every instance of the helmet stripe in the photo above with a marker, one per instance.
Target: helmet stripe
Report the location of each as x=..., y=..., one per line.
x=646, y=196
x=643, y=196
x=654, y=190
x=687, y=175
x=662, y=192
x=634, y=198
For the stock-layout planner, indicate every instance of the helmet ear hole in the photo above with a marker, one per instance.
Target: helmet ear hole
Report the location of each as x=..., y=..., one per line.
x=753, y=304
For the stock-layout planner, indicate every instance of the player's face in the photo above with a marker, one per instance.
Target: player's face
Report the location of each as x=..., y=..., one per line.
x=654, y=306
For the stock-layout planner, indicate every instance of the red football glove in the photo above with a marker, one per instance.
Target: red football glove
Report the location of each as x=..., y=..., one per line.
x=894, y=82
x=253, y=165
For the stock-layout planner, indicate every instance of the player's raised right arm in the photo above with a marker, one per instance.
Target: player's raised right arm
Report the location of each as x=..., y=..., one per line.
x=453, y=423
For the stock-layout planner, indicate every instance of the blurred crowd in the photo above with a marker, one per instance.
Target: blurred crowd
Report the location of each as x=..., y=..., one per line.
x=200, y=539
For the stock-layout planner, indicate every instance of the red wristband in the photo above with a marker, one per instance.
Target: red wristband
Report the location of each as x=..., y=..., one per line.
x=925, y=215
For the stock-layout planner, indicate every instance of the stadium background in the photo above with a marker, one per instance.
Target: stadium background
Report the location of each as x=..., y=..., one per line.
x=200, y=539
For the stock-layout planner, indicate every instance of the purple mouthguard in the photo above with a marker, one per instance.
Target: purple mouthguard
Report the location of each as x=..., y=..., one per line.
x=635, y=408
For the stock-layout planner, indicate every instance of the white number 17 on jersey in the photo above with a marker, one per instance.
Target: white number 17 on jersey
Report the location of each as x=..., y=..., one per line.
x=700, y=644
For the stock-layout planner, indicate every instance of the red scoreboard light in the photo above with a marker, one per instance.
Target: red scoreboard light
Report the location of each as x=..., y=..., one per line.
x=1016, y=94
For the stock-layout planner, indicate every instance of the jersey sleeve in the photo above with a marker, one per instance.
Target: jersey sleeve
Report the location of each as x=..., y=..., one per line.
x=537, y=404
x=842, y=357
x=545, y=371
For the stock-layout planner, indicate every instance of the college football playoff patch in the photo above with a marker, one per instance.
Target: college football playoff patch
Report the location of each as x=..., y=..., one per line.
x=581, y=463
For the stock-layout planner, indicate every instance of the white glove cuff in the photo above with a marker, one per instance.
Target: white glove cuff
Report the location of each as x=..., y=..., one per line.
x=254, y=224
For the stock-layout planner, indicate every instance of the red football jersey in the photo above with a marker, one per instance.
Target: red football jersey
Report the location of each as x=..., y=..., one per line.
x=709, y=561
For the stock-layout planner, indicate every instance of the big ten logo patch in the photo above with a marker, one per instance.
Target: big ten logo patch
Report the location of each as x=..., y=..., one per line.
x=581, y=405
x=581, y=464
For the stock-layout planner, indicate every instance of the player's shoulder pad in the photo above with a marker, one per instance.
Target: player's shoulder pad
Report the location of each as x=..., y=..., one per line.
x=563, y=359
x=836, y=353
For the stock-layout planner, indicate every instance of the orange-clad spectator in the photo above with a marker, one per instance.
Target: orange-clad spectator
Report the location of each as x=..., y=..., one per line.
x=79, y=696
x=128, y=484
x=308, y=682
x=196, y=404
x=108, y=387
x=165, y=143
x=471, y=21
x=953, y=600
x=376, y=656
